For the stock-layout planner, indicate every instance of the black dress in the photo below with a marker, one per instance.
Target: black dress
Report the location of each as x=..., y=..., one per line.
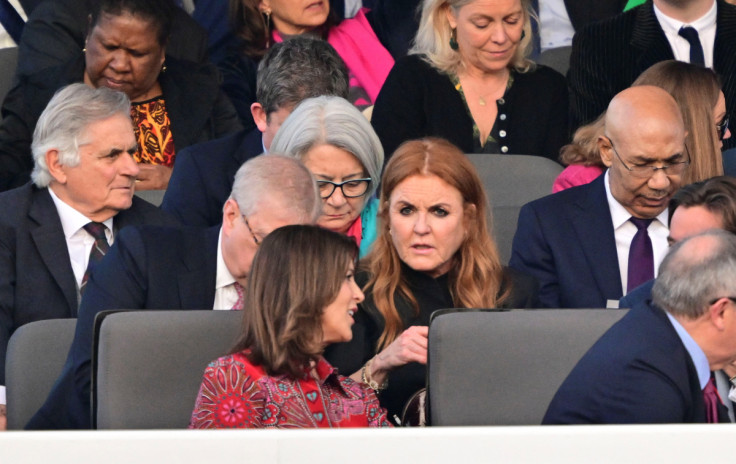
x=431, y=294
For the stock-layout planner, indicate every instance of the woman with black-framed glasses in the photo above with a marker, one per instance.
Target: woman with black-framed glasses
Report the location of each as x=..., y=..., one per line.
x=338, y=145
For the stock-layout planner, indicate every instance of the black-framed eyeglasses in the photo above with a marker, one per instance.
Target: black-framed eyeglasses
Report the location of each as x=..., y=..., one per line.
x=647, y=171
x=255, y=238
x=732, y=298
x=352, y=188
x=722, y=127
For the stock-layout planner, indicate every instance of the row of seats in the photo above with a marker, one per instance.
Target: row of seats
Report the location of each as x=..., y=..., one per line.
x=485, y=367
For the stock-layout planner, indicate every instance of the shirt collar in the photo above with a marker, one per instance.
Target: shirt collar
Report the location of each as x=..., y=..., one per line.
x=223, y=278
x=619, y=215
x=71, y=219
x=696, y=353
x=673, y=26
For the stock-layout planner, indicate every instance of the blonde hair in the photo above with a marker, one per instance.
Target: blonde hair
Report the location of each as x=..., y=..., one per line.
x=433, y=37
x=584, y=147
x=477, y=274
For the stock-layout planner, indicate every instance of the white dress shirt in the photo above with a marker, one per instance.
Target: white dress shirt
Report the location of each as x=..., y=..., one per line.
x=706, y=27
x=624, y=231
x=225, y=294
x=555, y=27
x=5, y=40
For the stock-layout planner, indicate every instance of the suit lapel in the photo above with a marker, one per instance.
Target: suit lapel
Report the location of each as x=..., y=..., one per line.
x=724, y=48
x=48, y=237
x=648, y=37
x=197, y=283
x=591, y=220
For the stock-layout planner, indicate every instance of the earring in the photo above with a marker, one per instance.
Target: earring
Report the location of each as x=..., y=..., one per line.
x=453, y=39
x=267, y=24
x=163, y=67
x=523, y=34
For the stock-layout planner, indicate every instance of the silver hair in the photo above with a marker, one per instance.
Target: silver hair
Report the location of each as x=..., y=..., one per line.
x=281, y=177
x=434, y=32
x=299, y=68
x=331, y=121
x=63, y=124
x=695, y=272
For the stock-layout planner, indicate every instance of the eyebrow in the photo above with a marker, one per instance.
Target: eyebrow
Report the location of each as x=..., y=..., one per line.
x=645, y=160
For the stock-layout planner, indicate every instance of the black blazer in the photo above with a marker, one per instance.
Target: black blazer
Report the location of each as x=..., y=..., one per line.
x=608, y=56
x=639, y=372
x=146, y=268
x=36, y=277
x=203, y=177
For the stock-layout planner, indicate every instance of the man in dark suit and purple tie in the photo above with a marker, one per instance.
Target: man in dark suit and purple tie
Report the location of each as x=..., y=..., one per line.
x=588, y=245
x=655, y=365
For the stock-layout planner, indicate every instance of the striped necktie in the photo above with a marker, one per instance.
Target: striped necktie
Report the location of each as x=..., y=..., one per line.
x=99, y=249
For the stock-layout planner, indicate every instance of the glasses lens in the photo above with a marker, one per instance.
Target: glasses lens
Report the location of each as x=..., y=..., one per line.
x=722, y=127
x=325, y=188
x=355, y=188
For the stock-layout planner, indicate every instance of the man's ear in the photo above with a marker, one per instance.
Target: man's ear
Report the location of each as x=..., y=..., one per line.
x=56, y=169
x=230, y=213
x=606, y=151
x=718, y=311
x=259, y=116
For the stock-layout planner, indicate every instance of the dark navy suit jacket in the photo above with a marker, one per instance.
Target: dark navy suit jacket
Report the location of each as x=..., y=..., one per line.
x=146, y=268
x=36, y=277
x=640, y=294
x=203, y=177
x=566, y=242
x=637, y=372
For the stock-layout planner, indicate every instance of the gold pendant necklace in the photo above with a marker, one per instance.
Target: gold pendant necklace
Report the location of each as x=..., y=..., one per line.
x=481, y=101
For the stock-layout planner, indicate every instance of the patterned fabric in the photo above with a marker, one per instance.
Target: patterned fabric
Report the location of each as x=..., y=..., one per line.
x=98, y=251
x=153, y=132
x=490, y=145
x=238, y=394
x=238, y=305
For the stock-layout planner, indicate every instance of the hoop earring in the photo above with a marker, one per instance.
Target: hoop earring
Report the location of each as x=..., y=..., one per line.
x=453, y=40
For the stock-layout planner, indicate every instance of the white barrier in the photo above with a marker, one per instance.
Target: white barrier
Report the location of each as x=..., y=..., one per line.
x=648, y=444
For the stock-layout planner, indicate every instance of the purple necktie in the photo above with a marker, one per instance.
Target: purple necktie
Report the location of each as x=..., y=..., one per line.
x=641, y=257
x=99, y=248
x=712, y=401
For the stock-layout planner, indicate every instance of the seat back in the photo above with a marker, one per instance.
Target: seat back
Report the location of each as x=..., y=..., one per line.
x=35, y=357
x=557, y=58
x=489, y=367
x=148, y=365
x=511, y=181
x=154, y=197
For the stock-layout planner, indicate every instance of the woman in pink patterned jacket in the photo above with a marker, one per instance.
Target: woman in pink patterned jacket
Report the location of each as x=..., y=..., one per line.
x=300, y=297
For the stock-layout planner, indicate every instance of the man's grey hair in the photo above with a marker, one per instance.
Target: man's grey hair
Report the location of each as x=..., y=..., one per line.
x=332, y=121
x=277, y=177
x=63, y=123
x=695, y=272
x=298, y=68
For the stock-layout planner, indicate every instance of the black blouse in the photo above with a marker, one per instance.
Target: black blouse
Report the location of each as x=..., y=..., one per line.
x=431, y=294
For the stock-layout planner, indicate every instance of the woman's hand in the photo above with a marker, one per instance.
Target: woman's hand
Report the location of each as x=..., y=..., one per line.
x=410, y=346
x=153, y=177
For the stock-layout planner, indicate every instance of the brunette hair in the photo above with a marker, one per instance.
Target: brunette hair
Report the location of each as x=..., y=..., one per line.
x=254, y=27
x=476, y=275
x=297, y=272
x=717, y=195
x=696, y=90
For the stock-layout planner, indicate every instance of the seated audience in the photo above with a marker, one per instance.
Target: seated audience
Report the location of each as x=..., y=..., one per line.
x=697, y=91
x=291, y=71
x=434, y=251
x=261, y=23
x=590, y=245
x=654, y=365
x=608, y=56
x=55, y=230
x=56, y=30
x=467, y=80
x=174, y=103
x=181, y=268
x=301, y=297
x=338, y=146
x=559, y=19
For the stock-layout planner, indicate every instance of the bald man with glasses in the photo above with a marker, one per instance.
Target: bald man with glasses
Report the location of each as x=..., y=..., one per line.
x=589, y=245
